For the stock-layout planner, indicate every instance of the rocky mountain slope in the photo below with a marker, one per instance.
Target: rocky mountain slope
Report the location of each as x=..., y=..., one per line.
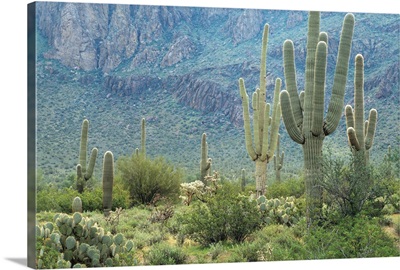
x=194, y=56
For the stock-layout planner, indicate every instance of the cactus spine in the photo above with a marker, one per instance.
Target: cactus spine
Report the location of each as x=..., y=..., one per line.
x=108, y=180
x=265, y=127
x=303, y=114
x=278, y=161
x=360, y=134
x=205, y=161
x=85, y=173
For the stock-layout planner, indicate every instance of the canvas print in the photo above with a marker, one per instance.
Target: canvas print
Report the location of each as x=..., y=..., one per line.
x=164, y=135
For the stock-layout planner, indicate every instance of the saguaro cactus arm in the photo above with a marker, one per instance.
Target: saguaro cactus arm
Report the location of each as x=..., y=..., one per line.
x=288, y=118
x=340, y=77
x=92, y=162
x=371, y=127
x=246, y=120
x=319, y=89
x=83, y=144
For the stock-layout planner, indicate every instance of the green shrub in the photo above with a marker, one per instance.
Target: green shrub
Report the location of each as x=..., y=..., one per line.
x=351, y=237
x=225, y=216
x=248, y=252
x=291, y=187
x=145, y=178
x=347, y=185
x=60, y=200
x=164, y=254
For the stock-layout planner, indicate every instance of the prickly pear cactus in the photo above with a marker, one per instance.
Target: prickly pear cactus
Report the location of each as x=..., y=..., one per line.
x=81, y=242
x=278, y=210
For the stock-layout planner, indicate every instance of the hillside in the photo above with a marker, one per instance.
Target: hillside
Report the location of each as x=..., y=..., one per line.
x=178, y=67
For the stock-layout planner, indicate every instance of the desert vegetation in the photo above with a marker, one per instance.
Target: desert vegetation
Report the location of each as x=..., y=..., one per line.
x=146, y=210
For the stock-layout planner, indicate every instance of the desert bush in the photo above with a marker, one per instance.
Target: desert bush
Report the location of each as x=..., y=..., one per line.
x=60, y=200
x=351, y=237
x=144, y=178
x=164, y=254
x=291, y=187
x=216, y=250
x=347, y=185
x=225, y=216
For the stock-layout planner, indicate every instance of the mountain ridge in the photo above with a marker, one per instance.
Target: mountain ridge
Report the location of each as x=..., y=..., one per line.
x=193, y=57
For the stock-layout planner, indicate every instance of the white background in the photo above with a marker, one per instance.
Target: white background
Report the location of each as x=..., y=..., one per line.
x=13, y=181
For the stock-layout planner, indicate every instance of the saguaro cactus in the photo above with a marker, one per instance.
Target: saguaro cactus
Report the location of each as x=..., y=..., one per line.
x=142, y=151
x=303, y=115
x=205, y=161
x=265, y=127
x=77, y=205
x=143, y=137
x=243, y=180
x=108, y=180
x=278, y=161
x=85, y=173
x=360, y=133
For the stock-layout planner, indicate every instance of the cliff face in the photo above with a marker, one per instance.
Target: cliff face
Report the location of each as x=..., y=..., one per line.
x=197, y=54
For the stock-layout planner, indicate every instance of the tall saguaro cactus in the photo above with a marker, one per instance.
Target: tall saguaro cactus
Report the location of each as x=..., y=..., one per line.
x=108, y=181
x=262, y=149
x=360, y=133
x=85, y=173
x=303, y=114
x=142, y=151
x=205, y=161
x=278, y=161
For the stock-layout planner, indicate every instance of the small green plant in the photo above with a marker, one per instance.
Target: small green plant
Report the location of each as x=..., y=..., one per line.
x=113, y=219
x=216, y=250
x=164, y=254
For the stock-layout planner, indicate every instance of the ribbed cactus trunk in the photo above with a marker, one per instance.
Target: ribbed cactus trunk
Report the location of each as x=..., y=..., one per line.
x=205, y=162
x=85, y=173
x=243, y=180
x=265, y=128
x=303, y=114
x=261, y=177
x=108, y=181
x=278, y=161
